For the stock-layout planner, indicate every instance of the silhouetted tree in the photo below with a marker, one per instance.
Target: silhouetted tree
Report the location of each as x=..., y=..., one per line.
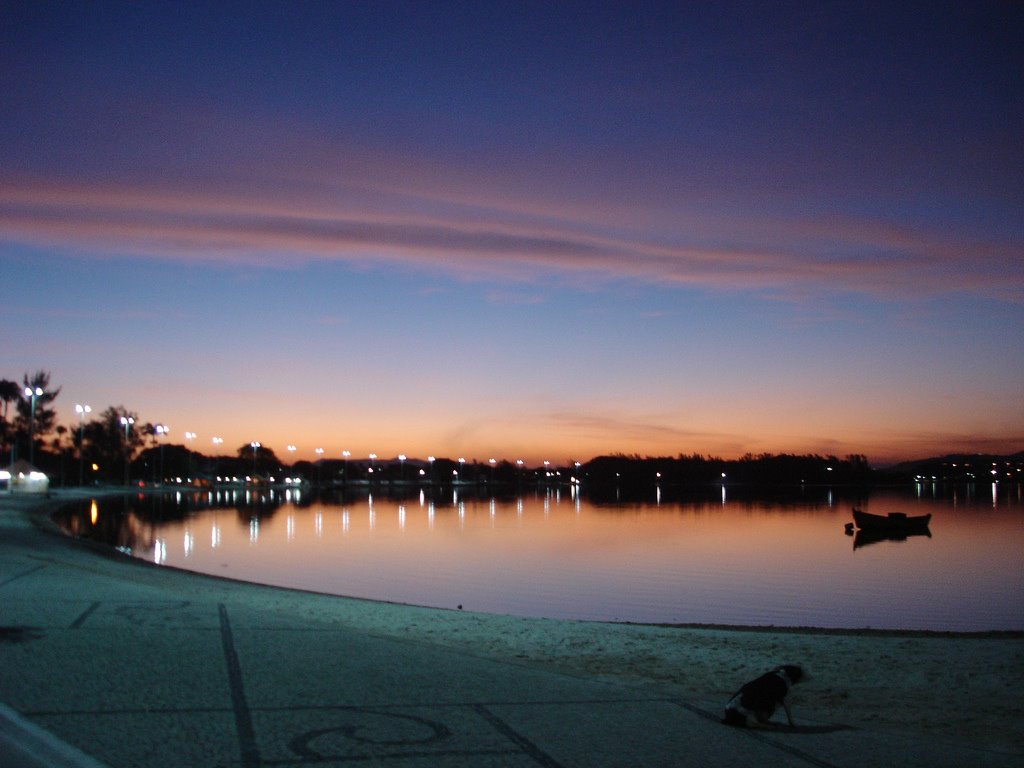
x=167, y=461
x=262, y=460
x=59, y=445
x=105, y=438
x=41, y=420
x=9, y=393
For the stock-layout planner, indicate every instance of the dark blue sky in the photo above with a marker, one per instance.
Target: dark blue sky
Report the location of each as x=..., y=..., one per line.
x=724, y=216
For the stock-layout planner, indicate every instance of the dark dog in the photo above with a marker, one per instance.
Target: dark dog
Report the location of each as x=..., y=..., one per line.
x=756, y=702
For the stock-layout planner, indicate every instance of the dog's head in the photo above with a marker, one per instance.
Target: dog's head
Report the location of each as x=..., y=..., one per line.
x=792, y=672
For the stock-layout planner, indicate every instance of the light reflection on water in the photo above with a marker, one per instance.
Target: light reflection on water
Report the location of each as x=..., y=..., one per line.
x=556, y=554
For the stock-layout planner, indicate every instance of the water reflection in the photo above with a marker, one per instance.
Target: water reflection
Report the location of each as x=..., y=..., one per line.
x=709, y=555
x=863, y=538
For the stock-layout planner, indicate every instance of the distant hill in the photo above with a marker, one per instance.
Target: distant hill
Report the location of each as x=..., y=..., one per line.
x=964, y=467
x=619, y=472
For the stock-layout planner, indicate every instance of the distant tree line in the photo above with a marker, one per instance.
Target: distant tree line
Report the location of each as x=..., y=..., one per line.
x=116, y=446
x=622, y=470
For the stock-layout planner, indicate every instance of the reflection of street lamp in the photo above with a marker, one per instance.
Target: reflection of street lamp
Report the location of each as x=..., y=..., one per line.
x=81, y=410
x=126, y=422
x=32, y=393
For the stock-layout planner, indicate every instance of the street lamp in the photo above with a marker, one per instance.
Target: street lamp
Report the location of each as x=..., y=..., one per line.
x=345, y=455
x=431, y=459
x=33, y=393
x=255, y=446
x=401, y=464
x=319, y=463
x=161, y=430
x=126, y=422
x=190, y=436
x=81, y=410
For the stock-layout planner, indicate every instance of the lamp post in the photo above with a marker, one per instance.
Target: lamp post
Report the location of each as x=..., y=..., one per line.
x=431, y=459
x=81, y=410
x=401, y=465
x=319, y=463
x=32, y=393
x=373, y=456
x=255, y=445
x=345, y=455
x=161, y=430
x=216, y=447
x=126, y=422
x=190, y=436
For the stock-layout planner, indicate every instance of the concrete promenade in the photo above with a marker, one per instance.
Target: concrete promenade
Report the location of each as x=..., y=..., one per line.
x=108, y=662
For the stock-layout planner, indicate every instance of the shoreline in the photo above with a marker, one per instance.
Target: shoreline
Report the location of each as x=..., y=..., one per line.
x=816, y=622
x=874, y=678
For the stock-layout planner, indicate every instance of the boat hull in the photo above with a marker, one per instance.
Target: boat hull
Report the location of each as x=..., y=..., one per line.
x=894, y=521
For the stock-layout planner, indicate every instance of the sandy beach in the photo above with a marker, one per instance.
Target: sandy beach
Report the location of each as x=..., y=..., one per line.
x=948, y=687
x=956, y=687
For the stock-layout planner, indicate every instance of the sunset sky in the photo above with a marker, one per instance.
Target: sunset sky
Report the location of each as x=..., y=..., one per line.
x=524, y=230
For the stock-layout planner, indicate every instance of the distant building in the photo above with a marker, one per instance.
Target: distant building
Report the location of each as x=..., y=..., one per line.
x=22, y=477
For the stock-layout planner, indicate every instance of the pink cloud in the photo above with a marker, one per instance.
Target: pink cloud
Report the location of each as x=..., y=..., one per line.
x=270, y=229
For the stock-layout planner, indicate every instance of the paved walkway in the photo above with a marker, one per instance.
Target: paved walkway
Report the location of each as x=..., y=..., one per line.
x=105, y=662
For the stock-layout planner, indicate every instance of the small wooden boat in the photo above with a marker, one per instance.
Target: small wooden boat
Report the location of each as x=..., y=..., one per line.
x=894, y=521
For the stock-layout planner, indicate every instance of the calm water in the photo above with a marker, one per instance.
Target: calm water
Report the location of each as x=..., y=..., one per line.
x=784, y=562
